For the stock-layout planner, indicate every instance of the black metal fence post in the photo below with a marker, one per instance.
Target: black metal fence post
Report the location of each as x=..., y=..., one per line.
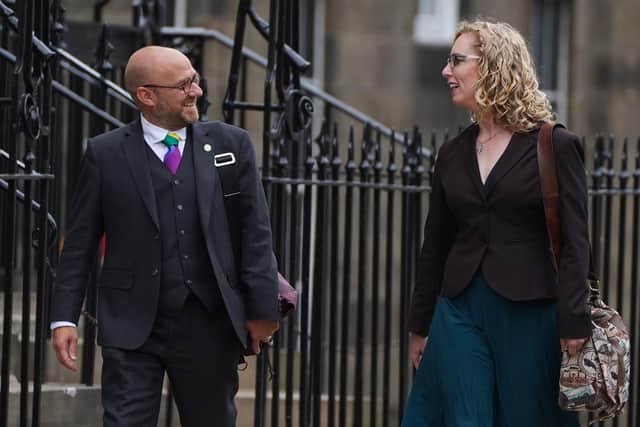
x=350, y=168
x=42, y=242
x=319, y=278
x=634, y=391
x=405, y=274
x=8, y=252
x=376, y=233
x=333, y=280
x=24, y=178
x=388, y=278
x=306, y=397
x=291, y=239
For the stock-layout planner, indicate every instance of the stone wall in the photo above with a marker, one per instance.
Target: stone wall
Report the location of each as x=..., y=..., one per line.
x=371, y=61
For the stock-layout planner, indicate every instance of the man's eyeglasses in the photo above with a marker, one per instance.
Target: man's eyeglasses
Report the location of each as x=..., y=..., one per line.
x=184, y=86
x=455, y=59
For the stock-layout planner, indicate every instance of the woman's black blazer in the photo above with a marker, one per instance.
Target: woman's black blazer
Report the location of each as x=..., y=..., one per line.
x=499, y=228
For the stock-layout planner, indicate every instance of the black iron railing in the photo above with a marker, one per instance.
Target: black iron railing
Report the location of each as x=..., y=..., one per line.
x=25, y=182
x=348, y=200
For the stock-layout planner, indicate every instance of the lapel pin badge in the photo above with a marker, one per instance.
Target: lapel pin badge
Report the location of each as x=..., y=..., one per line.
x=224, y=159
x=206, y=147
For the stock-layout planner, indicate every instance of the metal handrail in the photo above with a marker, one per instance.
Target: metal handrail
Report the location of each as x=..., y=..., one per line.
x=260, y=60
x=35, y=206
x=116, y=90
x=252, y=56
x=86, y=105
x=9, y=16
x=89, y=74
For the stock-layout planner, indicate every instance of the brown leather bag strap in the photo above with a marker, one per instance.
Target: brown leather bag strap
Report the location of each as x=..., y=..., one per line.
x=551, y=195
x=550, y=189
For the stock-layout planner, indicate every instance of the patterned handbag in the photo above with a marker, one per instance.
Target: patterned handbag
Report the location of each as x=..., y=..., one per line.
x=596, y=379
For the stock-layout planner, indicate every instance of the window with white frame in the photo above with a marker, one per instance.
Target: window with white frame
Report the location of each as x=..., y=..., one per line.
x=550, y=40
x=436, y=21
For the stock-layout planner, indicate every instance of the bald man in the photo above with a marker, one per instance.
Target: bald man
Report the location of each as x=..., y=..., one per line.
x=172, y=297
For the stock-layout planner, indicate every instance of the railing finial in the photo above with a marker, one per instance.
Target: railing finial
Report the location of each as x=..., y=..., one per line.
x=104, y=49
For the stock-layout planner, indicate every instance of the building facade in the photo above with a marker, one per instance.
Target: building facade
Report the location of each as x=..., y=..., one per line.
x=385, y=58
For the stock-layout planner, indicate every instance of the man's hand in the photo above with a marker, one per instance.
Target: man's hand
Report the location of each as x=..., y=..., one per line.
x=416, y=348
x=65, y=344
x=260, y=331
x=572, y=345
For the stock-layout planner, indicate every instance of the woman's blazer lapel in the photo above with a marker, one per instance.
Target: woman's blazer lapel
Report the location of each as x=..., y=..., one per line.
x=521, y=144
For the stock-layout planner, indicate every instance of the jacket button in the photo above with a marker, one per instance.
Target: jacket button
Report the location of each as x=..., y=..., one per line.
x=156, y=237
x=155, y=272
x=179, y=207
x=188, y=282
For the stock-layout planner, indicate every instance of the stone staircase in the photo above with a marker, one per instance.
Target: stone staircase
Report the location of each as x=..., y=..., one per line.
x=65, y=402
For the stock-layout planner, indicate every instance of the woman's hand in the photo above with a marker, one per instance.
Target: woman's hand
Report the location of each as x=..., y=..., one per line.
x=572, y=345
x=416, y=347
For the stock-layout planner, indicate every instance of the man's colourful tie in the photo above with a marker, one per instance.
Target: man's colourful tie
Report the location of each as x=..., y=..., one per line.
x=173, y=156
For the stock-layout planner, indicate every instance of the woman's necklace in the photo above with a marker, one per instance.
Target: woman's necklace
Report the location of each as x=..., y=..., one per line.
x=480, y=144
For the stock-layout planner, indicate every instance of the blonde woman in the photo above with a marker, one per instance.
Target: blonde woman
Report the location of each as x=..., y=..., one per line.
x=496, y=313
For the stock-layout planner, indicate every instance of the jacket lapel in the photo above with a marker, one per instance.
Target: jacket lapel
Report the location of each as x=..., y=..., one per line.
x=521, y=144
x=207, y=187
x=135, y=153
x=471, y=162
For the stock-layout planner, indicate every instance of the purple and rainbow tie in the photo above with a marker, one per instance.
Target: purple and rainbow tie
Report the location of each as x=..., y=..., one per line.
x=173, y=156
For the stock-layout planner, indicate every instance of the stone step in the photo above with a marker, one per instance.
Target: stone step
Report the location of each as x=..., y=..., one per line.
x=65, y=405
x=55, y=373
x=17, y=302
x=61, y=405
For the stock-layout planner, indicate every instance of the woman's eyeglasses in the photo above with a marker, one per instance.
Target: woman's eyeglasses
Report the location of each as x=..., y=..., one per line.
x=455, y=59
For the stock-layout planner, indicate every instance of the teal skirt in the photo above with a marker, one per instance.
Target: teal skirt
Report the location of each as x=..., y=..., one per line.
x=489, y=362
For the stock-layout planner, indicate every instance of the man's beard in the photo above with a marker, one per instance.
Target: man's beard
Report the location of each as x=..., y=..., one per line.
x=191, y=116
x=179, y=119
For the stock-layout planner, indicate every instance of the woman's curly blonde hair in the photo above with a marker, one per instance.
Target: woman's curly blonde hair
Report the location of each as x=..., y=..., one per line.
x=507, y=88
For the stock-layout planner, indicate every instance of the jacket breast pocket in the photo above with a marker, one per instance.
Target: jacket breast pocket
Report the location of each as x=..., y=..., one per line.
x=116, y=279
